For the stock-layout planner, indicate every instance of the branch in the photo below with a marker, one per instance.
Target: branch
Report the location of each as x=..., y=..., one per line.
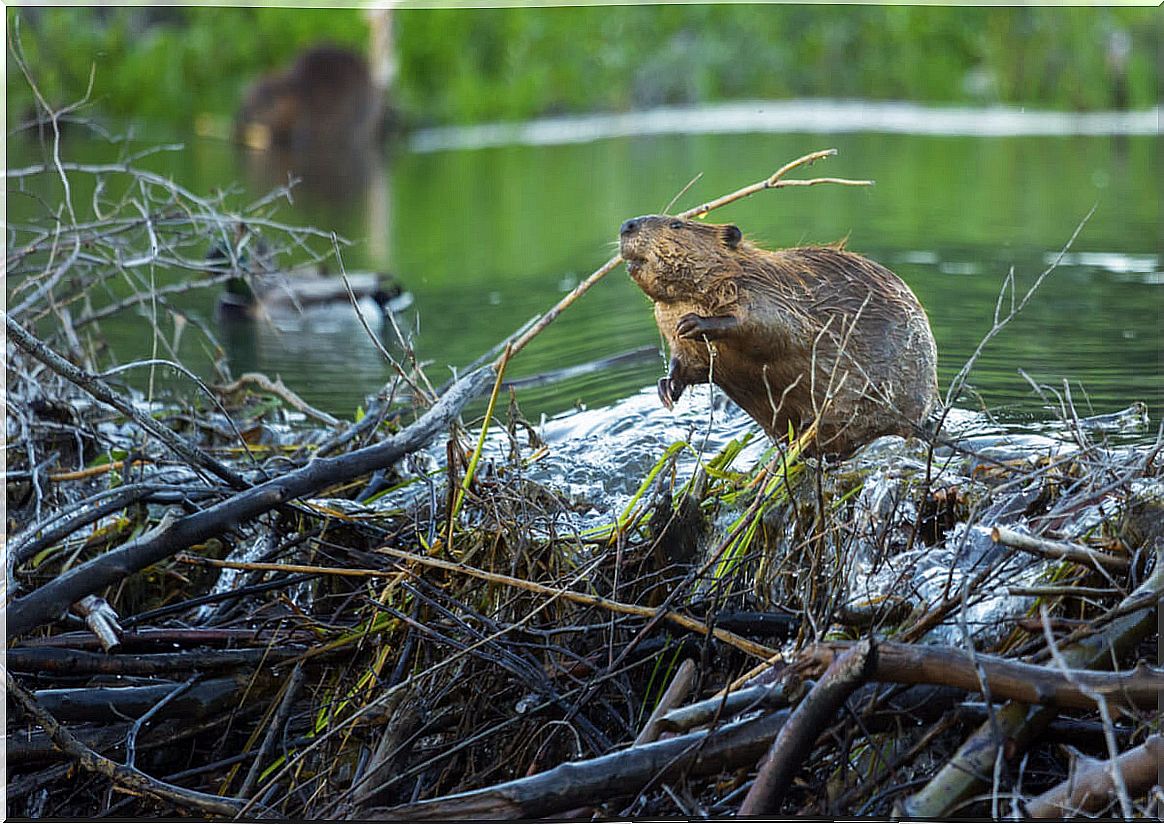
x=796, y=739
x=1091, y=786
x=133, y=779
x=776, y=695
x=776, y=181
x=103, y=392
x=1076, y=553
x=280, y=390
x=680, y=685
x=51, y=600
x=1013, y=680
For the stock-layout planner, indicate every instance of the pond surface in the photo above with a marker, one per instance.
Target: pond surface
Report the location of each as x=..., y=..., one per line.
x=484, y=237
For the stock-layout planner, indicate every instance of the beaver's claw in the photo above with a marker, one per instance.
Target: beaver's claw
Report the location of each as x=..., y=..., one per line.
x=670, y=390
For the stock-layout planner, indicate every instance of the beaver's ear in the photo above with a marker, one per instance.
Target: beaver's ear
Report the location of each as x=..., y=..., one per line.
x=731, y=235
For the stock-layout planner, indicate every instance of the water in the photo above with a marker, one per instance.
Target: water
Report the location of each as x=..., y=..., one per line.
x=484, y=238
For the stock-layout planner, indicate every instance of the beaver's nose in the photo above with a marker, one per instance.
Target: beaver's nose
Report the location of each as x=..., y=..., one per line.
x=629, y=227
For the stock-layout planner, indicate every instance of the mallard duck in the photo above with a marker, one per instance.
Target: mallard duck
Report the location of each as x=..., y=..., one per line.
x=262, y=290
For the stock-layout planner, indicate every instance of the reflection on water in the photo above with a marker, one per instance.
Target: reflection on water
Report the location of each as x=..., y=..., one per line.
x=308, y=344
x=486, y=238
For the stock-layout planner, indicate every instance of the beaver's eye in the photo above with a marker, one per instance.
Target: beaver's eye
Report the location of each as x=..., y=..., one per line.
x=676, y=224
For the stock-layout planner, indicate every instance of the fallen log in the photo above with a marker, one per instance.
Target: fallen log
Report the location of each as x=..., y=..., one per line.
x=112, y=704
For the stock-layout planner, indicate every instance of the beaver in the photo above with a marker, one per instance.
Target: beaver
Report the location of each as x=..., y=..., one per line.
x=324, y=100
x=792, y=335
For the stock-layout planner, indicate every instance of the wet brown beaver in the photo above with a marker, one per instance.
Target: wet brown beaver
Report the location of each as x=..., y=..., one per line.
x=325, y=100
x=788, y=334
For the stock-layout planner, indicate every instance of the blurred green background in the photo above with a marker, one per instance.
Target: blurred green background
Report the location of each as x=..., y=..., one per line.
x=469, y=65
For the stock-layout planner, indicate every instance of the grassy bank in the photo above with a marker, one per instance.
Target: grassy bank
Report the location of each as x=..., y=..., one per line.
x=461, y=66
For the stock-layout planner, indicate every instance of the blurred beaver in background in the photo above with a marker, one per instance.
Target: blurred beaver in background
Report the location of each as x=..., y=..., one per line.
x=326, y=99
x=789, y=335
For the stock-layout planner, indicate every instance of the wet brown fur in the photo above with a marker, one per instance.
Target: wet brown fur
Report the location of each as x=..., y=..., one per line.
x=755, y=321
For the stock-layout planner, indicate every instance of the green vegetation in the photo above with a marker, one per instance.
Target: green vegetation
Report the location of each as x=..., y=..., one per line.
x=164, y=65
x=469, y=65
x=514, y=63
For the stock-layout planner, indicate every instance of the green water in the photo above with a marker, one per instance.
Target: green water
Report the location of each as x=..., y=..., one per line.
x=485, y=239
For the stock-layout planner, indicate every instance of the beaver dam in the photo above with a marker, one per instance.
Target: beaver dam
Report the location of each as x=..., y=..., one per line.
x=225, y=603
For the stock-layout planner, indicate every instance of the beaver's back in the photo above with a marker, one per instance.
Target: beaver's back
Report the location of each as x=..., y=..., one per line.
x=862, y=328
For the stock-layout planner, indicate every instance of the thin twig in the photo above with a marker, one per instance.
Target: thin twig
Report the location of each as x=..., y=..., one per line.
x=677, y=618
x=103, y=392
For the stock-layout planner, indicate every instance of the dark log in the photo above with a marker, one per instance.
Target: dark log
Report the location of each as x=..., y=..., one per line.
x=1084, y=735
x=113, y=704
x=152, y=638
x=202, y=803
x=758, y=624
x=22, y=747
x=51, y=600
x=617, y=775
x=36, y=661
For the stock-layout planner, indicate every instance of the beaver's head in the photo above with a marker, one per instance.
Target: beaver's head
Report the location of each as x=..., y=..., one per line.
x=675, y=259
x=268, y=114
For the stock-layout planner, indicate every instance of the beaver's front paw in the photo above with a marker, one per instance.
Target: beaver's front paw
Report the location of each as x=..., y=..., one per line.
x=697, y=327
